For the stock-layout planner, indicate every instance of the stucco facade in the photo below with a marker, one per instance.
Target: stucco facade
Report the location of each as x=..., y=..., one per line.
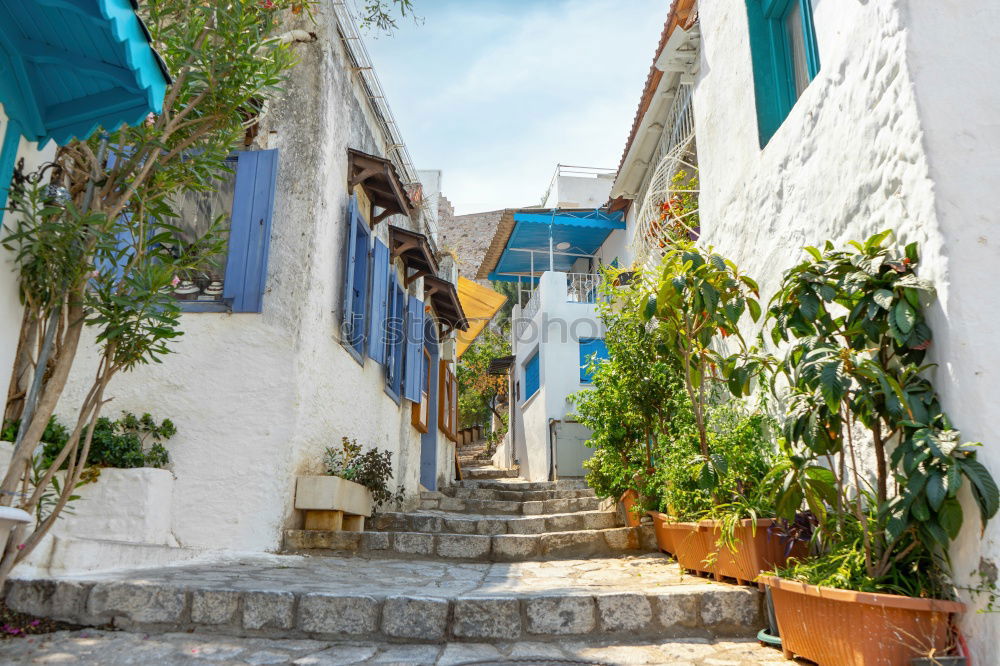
x=895, y=132
x=256, y=398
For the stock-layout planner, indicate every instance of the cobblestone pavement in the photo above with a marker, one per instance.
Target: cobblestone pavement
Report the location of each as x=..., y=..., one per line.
x=357, y=575
x=120, y=648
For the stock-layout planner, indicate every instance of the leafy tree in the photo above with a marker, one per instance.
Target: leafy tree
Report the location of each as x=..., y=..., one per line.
x=481, y=394
x=857, y=334
x=226, y=61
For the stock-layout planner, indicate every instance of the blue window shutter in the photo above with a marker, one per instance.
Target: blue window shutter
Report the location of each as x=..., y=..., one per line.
x=380, y=302
x=250, y=231
x=360, y=285
x=590, y=347
x=532, y=378
x=414, y=360
x=397, y=337
x=352, y=231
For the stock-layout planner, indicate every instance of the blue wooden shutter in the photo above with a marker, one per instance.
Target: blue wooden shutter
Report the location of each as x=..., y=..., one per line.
x=412, y=377
x=591, y=347
x=397, y=336
x=250, y=231
x=380, y=302
x=532, y=378
x=352, y=232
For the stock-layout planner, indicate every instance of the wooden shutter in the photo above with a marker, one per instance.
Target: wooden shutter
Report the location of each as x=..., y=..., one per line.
x=250, y=231
x=532, y=378
x=396, y=335
x=414, y=360
x=447, y=401
x=356, y=278
x=380, y=302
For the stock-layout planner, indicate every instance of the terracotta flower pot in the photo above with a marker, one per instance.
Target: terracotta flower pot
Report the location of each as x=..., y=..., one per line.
x=696, y=547
x=628, y=501
x=663, y=535
x=848, y=628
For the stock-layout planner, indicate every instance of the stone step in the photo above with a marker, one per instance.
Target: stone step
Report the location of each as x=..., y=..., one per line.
x=430, y=602
x=521, y=484
x=437, y=523
x=484, y=473
x=430, y=502
x=477, y=547
x=516, y=495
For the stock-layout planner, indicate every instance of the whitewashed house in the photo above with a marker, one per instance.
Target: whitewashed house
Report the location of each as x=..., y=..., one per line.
x=836, y=119
x=331, y=317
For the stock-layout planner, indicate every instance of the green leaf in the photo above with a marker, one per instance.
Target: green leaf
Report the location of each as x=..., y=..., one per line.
x=809, y=306
x=813, y=252
x=884, y=298
x=920, y=510
x=984, y=487
x=905, y=316
x=950, y=517
x=754, y=308
x=936, y=492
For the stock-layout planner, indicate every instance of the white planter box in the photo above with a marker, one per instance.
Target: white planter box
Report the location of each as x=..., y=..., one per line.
x=331, y=493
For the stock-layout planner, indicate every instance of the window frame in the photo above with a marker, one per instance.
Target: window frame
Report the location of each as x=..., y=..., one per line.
x=587, y=378
x=535, y=358
x=357, y=226
x=772, y=60
x=447, y=400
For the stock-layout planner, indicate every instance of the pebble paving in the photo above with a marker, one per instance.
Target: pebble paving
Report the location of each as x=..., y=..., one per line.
x=112, y=648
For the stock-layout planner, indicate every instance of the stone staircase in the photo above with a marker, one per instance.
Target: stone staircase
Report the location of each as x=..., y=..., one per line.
x=500, y=562
x=477, y=465
x=491, y=521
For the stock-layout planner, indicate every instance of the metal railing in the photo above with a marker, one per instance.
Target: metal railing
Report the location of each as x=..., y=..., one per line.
x=582, y=287
x=677, y=132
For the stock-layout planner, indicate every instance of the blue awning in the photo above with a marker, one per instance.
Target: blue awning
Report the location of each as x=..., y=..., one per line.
x=68, y=67
x=578, y=232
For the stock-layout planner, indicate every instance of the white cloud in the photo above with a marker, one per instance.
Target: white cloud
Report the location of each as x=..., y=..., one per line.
x=497, y=93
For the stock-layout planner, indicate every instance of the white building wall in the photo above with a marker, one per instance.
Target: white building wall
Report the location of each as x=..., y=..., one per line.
x=10, y=303
x=555, y=332
x=257, y=397
x=897, y=131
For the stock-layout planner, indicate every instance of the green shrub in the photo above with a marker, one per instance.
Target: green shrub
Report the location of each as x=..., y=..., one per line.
x=371, y=468
x=120, y=443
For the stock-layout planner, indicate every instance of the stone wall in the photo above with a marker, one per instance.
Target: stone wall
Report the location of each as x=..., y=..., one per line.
x=468, y=237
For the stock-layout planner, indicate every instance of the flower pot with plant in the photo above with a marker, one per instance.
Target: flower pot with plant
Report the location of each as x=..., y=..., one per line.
x=854, y=325
x=356, y=483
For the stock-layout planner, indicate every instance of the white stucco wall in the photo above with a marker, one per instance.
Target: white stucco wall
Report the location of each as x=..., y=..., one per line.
x=10, y=303
x=257, y=397
x=555, y=332
x=897, y=131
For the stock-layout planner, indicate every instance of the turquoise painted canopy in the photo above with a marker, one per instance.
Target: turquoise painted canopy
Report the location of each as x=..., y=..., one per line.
x=70, y=66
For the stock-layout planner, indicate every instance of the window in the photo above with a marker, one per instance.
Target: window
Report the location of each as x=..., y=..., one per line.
x=785, y=58
x=356, y=278
x=420, y=416
x=447, y=401
x=244, y=200
x=395, y=343
x=591, y=348
x=379, y=319
x=532, y=380
x=413, y=359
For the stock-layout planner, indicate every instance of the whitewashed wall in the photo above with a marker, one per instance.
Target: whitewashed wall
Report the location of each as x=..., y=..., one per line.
x=897, y=131
x=10, y=303
x=555, y=331
x=257, y=397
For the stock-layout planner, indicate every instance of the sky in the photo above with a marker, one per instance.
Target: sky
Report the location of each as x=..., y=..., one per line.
x=496, y=93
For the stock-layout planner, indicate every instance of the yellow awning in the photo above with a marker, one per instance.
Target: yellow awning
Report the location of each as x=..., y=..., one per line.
x=480, y=304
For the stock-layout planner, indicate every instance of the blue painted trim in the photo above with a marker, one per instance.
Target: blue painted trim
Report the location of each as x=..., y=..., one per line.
x=532, y=376
x=67, y=36
x=773, y=69
x=414, y=358
x=380, y=302
x=591, y=347
x=502, y=277
x=204, y=306
x=8, y=160
x=594, y=219
x=250, y=230
x=397, y=338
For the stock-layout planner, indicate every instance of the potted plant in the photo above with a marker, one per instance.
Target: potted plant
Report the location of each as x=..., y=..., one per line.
x=355, y=484
x=854, y=324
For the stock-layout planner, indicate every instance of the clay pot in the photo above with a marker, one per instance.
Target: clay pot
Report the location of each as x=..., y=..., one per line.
x=696, y=547
x=628, y=501
x=847, y=628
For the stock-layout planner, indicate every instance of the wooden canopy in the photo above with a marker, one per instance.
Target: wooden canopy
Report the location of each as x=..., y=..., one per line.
x=443, y=296
x=381, y=183
x=415, y=251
